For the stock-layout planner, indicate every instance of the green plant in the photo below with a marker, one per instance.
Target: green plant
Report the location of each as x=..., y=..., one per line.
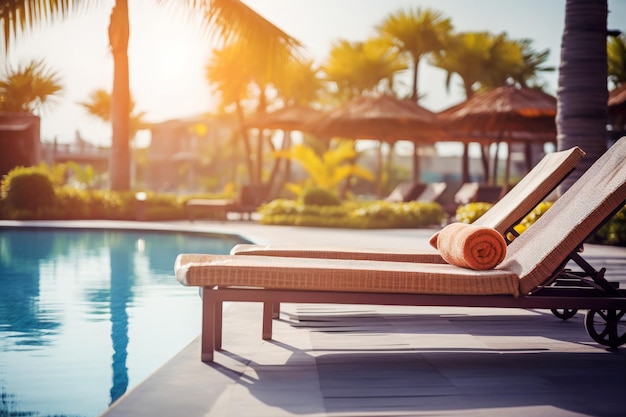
x=319, y=197
x=613, y=232
x=532, y=217
x=351, y=214
x=468, y=213
x=326, y=171
x=28, y=188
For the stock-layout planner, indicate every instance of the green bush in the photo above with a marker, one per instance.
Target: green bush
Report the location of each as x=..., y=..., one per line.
x=28, y=189
x=355, y=215
x=319, y=197
x=29, y=194
x=613, y=232
x=468, y=213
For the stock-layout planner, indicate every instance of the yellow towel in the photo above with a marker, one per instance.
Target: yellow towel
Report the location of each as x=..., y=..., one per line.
x=468, y=246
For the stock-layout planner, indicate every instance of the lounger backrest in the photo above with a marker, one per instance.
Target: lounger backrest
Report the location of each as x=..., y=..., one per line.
x=432, y=191
x=538, y=253
x=531, y=190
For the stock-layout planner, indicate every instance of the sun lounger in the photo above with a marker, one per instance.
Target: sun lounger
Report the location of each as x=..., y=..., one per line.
x=531, y=275
x=246, y=203
x=503, y=216
x=476, y=192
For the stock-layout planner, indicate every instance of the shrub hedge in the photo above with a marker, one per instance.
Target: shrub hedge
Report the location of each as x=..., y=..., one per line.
x=31, y=194
x=352, y=214
x=612, y=232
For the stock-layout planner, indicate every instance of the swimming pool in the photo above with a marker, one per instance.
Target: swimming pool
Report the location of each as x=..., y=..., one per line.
x=86, y=315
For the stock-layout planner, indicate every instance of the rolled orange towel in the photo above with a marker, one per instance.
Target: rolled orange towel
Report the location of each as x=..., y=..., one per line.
x=469, y=246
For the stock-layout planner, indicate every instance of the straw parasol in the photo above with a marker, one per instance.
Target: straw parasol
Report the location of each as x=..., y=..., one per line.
x=503, y=111
x=383, y=118
x=506, y=114
x=293, y=117
x=379, y=117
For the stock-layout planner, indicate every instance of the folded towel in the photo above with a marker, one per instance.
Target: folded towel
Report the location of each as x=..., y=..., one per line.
x=470, y=246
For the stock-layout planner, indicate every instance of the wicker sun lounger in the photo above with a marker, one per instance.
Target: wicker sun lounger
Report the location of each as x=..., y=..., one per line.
x=532, y=274
x=503, y=216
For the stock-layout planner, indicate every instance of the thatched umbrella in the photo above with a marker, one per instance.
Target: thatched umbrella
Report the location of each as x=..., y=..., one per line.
x=294, y=117
x=379, y=117
x=383, y=118
x=506, y=114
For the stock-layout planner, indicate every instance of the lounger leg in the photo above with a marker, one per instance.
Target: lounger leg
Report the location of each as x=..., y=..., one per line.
x=276, y=310
x=208, y=325
x=268, y=312
x=217, y=331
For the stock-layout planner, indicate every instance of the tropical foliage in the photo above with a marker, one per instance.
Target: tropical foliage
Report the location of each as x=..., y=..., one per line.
x=616, y=54
x=326, y=171
x=416, y=33
x=28, y=88
x=274, y=73
x=352, y=214
x=358, y=67
x=227, y=20
x=99, y=106
x=484, y=61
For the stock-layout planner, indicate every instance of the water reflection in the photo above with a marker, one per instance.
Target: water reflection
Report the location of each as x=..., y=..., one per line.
x=122, y=274
x=76, y=312
x=21, y=315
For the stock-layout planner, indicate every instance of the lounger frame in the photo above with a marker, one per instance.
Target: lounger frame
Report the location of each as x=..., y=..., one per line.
x=565, y=290
x=213, y=299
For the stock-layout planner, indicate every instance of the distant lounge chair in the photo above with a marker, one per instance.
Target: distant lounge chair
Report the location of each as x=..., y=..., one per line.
x=249, y=199
x=503, y=216
x=432, y=192
x=406, y=191
x=472, y=192
x=416, y=191
x=531, y=275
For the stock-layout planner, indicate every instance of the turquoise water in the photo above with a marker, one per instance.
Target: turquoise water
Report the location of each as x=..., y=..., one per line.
x=86, y=315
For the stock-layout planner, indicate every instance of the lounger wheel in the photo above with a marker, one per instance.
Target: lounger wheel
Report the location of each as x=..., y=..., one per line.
x=564, y=313
x=607, y=327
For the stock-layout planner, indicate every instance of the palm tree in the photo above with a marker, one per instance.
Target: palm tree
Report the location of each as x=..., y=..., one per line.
x=416, y=33
x=299, y=85
x=225, y=19
x=359, y=67
x=99, y=106
x=485, y=61
x=533, y=63
x=231, y=80
x=582, y=97
x=465, y=55
x=28, y=88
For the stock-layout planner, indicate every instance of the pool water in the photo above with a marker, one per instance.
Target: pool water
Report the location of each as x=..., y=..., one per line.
x=85, y=315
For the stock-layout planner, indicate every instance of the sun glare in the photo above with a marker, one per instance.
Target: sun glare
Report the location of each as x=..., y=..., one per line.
x=167, y=55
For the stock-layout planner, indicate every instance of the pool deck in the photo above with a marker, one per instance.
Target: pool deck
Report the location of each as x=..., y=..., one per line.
x=340, y=360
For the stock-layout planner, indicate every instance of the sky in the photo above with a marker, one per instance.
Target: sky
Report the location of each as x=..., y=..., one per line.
x=168, y=55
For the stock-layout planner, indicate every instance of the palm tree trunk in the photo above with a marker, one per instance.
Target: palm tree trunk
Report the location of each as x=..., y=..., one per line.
x=246, y=143
x=465, y=175
x=582, y=112
x=119, y=159
x=414, y=93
